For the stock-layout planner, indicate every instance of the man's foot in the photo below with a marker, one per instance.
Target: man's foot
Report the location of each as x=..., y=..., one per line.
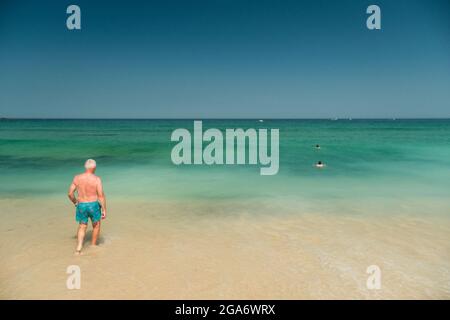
x=78, y=252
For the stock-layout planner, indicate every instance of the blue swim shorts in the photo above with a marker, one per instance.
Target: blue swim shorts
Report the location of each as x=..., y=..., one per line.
x=88, y=210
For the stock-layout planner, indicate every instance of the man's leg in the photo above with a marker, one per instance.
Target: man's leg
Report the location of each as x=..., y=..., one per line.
x=95, y=232
x=81, y=233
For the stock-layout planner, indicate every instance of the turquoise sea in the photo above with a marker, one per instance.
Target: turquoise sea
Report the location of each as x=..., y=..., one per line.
x=198, y=231
x=368, y=161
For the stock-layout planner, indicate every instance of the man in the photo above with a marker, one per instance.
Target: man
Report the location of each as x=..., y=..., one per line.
x=91, y=202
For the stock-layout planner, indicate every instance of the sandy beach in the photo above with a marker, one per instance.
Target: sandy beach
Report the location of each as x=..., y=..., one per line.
x=204, y=251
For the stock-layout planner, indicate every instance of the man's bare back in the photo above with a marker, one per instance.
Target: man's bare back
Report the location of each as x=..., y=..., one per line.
x=88, y=187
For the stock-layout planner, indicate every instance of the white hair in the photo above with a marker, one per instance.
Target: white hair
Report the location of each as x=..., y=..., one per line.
x=90, y=164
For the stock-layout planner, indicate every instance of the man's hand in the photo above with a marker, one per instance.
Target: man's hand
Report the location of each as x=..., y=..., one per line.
x=71, y=192
x=101, y=197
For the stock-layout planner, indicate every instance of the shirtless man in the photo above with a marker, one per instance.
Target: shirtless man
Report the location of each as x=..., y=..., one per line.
x=90, y=203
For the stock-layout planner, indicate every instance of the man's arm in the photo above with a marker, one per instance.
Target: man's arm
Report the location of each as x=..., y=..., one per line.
x=71, y=193
x=101, y=197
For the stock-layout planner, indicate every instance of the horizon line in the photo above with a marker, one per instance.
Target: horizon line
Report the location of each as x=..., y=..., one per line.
x=243, y=118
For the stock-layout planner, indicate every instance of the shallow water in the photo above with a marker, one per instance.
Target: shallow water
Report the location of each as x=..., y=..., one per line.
x=227, y=231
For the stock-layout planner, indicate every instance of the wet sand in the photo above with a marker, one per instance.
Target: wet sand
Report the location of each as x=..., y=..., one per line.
x=221, y=250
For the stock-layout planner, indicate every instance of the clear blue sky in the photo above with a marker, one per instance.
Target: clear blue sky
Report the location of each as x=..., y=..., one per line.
x=224, y=59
